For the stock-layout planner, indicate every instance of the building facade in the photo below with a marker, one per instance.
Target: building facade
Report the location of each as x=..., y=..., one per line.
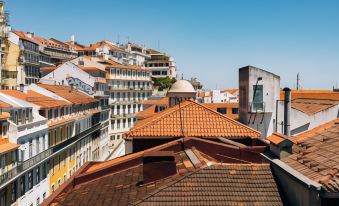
x=161, y=65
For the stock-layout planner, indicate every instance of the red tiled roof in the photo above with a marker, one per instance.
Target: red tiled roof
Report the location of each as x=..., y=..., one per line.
x=313, y=106
x=99, y=44
x=5, y=115
x=312, y=94
x=66, y=92
x=4, y=105
x=277, y=138
x=315, y=155
x=23, y=35
x=6, y=146
x=36, y=98
x=190, y=119
x=200, y=178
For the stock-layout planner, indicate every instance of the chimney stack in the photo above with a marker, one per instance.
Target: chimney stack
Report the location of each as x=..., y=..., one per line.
x=22, y=88
x=287, y=111
x=158, y=165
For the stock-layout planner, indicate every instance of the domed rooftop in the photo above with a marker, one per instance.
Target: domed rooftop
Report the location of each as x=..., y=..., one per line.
x=183, y=86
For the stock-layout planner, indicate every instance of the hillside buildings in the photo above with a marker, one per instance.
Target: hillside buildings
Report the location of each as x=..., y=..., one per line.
x=48, y=132
x=161, y=65
x=218, y=96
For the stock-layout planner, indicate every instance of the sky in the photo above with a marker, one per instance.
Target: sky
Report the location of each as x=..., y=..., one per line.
x=209, y=39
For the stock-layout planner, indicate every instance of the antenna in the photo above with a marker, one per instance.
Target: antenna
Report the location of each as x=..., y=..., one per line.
x=298, y=79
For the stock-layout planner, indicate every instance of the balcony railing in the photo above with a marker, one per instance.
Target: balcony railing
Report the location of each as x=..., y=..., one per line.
x=28, y=164
x=256, y=107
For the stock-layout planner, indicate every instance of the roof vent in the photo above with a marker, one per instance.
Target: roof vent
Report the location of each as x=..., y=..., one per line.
x=158, y=165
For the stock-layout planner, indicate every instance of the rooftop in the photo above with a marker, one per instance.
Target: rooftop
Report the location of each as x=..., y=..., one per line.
x=190, y=119
x=35, y=98
x=313, y=106
x=100, y=44
x=66, y=92
x=315, y=155
x=200, y=177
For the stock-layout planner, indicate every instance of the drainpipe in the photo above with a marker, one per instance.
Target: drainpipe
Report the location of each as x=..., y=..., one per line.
x=287, y=111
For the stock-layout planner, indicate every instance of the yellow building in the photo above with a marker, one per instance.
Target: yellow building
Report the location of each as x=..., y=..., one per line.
x=62, y=165
x=10, y=71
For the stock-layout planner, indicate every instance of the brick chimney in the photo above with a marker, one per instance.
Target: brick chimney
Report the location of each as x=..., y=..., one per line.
x=158, y=165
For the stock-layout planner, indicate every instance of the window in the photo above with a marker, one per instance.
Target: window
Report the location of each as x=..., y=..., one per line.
x=44, y=173
x=38, y=201
x=43, y=143
x=30, y=149
x=52, y=166
x=60, y=134
x=37, y=145
x=222, y=110
x=3, y=161
x=44, y=196
x=13, y=191
x=53, y=188
x=37, y=173
x=235, y=110
x=55, y=136
x=22, y=185
x=258, y=98
x=30, y=179
x=65, y=177
x=59, y=182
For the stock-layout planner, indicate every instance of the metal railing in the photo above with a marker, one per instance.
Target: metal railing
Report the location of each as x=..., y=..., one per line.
x=50, y=152
x=256, y=107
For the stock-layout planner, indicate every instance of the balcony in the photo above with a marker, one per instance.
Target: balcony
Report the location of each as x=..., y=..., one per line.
x=50, y=152
x=256, y=107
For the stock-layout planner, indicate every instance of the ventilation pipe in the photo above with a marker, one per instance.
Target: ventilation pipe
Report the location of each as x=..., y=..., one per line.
x=287, y=111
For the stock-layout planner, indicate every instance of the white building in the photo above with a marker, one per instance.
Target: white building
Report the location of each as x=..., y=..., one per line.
x=161, y=65
x=217, y=96
x=261, y=104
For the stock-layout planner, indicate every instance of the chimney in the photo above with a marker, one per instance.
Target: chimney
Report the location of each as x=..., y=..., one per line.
x=30, y=34
x=287, y=111
x=158, y=165
x=23, y=88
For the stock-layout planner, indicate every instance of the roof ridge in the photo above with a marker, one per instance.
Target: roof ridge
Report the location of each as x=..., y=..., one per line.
x=234, y=121
x=161, y=115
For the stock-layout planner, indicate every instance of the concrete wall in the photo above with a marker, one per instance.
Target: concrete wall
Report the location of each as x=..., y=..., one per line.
x=296, y=192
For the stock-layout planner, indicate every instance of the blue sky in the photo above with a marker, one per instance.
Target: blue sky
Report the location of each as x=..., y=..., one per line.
x=210, y=40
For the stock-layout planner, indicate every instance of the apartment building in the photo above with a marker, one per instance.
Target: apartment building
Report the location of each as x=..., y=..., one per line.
x=57, y=129
x=160, y=64
x=4, y=28
x=138, y=54
x=53, y=51
x=217, y=96
x=128, y=87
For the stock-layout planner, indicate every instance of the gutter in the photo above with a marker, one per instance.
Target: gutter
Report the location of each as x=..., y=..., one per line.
x=302, y=178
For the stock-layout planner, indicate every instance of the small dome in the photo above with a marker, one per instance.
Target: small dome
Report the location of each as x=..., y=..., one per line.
x=182, y=86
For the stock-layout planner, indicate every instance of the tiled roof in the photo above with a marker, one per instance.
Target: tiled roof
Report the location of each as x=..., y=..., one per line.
x=4, y=105
x=312, y=94
x=313, y=106
x=23, y=35
x=317, y=155
x=225, y=184
x=5, y=115
x=276, y=138
x=74, y=45
x=52, y=43
x=99, y=44
x=152, y=110
x=6, y=146
x=190, y=119
x=232, y=91
x=66, y=92
x=200, y=176
x=163, y=102
x=36, y=98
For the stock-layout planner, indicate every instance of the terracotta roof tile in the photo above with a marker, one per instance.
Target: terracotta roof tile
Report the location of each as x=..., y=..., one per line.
x=36, y=98
x=190, y=119
x=99, y=44
x=6, y=146
x=313, y=106
x=23, y=35
x=66, y=92
x=120, y=181
x=312, y=94
x=4, y=105
x=316, y=153
x=277, y=138
x=226, y=184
